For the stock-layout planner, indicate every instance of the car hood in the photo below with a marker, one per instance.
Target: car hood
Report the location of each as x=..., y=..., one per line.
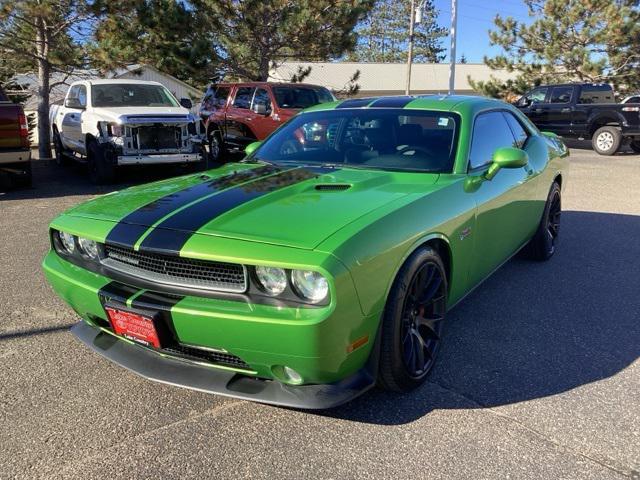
x=124, y=114
x=295, y=206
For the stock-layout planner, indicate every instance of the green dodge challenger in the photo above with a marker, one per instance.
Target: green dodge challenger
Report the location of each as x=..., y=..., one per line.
x=323, y=263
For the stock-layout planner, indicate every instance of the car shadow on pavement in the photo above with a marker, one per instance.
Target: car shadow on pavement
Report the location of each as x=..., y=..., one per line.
x=575, y=144
x=533, y=329
x=53, y=181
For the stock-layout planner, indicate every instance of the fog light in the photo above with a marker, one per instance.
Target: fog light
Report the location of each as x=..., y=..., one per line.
x=287, y=375
x=292, y=375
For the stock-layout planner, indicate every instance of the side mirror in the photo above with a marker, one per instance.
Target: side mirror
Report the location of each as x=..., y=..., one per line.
x=73, y=103
x=506, y=157
x=186, y=103
x=260, y=108
x=523, y=102
x=252, y=147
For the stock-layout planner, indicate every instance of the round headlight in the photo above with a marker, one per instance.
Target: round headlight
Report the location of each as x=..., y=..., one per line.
x=310, y=285
x=273, y=280
x=67, y=241
x=88, y=247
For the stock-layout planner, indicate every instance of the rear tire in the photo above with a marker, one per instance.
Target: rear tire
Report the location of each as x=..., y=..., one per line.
x=542, y=245
x=413, y=322
x=101, y=171
x=606, y=140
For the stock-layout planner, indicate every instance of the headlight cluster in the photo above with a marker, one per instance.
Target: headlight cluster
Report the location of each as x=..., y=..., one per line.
x=308, y=285
x=68, y=244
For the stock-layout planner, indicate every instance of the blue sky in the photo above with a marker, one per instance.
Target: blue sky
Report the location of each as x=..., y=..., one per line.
x=475, y=18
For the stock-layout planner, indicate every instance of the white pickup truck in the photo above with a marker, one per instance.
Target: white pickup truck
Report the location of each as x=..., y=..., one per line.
x=111, y=123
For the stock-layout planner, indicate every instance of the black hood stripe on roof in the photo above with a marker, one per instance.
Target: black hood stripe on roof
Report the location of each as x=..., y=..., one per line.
x=392, y=102
x=170, y=236
x=355, y=103
x=133, y=226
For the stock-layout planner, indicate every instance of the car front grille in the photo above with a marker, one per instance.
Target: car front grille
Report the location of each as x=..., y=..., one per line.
x=208, y=356
x=177, y=271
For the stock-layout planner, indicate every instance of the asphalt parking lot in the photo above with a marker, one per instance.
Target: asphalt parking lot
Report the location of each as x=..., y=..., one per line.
x=538, y=377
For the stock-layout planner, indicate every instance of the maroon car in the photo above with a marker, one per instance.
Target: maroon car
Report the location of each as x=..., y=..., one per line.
x=236, y=114
x=15, y=154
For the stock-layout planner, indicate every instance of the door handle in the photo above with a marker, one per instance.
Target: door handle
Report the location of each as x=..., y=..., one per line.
x=537, y=110
x=565, y=110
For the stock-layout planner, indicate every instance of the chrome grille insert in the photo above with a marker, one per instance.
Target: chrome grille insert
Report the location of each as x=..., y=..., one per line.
x=177, y=271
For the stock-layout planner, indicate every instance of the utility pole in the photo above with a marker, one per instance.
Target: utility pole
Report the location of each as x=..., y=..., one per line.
x=453, y=31
x=407, y=89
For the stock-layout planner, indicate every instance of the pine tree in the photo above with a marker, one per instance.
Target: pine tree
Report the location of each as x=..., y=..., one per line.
x=166, y=34
x=42, y=36
x=254, y=36
x=568, y=40
x=384, y=34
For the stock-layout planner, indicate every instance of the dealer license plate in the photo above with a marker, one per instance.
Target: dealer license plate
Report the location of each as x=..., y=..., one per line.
x=134, y=326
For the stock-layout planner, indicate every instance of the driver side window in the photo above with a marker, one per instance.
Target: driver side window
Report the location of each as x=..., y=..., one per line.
x=490, y=132
x=537, y=95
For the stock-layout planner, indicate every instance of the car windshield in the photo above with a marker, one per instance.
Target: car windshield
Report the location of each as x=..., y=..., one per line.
x=301, y=97
x=131, y=95
x=388, y=139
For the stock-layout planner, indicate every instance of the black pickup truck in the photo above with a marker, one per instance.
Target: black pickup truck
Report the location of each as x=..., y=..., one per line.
x=584, y=110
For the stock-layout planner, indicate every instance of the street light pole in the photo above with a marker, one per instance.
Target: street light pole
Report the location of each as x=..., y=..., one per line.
x=452, y=65
x=407, y=89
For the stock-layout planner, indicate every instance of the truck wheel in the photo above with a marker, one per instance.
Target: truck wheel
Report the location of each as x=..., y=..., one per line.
x=606, y=140
x=60, y=158
x=635, y=146
x=216, y=147
x=101, y=171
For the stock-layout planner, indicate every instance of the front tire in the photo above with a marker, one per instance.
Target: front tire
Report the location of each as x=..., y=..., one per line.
x=542, y=245
x=606, y=140
x=413, y=322
x=215, y=148
x=61, y=159
x=101, y=171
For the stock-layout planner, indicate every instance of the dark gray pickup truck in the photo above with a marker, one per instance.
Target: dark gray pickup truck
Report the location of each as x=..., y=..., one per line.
x=584, y=111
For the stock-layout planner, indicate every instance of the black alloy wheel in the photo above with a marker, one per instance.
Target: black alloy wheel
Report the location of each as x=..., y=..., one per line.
x=422, y=320
x=413, y=321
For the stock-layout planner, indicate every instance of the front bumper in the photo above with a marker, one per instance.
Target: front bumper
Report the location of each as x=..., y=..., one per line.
x=164, y=158
x=173, y=371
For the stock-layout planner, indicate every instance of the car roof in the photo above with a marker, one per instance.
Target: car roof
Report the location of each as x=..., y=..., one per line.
x=262, y=84
x=444, y=103
x=111, y=81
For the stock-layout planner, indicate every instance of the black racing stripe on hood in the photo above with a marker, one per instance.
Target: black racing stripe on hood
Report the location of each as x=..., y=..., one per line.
x=131, y=228
x=355, y=103
x=392, y=102
x=171, y=235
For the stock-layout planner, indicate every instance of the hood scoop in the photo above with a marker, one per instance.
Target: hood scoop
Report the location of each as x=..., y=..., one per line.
x=332, y=187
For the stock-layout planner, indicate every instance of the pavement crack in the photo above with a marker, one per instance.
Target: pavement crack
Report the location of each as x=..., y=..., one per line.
x=609, y=463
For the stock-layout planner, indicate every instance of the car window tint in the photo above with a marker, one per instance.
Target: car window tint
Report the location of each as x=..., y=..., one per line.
x=73, y=92
x=262, y=98
x=3, y=97
x=561, y=94
x=221, y=95
x=517, y=129
x=243, y=97
x=596, y=94
x=634, y=100
x=490, y=132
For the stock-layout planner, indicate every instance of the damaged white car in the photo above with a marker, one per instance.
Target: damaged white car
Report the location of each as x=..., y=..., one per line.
x=112, y=123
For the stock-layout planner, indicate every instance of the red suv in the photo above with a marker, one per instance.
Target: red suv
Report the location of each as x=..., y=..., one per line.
x=236, y=114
